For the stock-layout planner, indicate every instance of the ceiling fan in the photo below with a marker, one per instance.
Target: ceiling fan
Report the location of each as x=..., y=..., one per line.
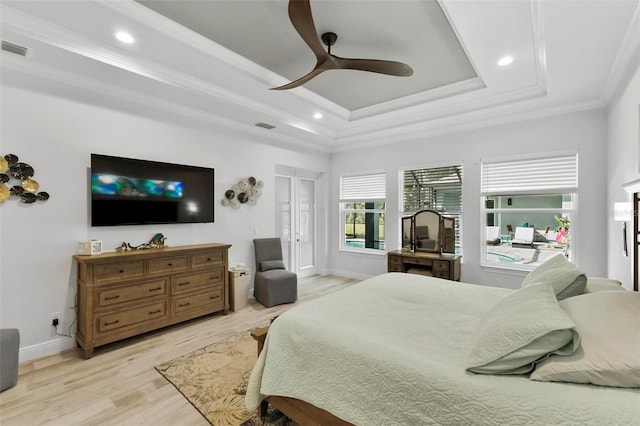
x=302, y=20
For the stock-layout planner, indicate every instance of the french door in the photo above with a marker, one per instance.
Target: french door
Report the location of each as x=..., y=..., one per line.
x=296, y=222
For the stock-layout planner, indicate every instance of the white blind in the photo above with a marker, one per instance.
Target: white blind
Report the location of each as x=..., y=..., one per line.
x=436, y=188
x=531, y=176
x=283, y=189
x=369, y=187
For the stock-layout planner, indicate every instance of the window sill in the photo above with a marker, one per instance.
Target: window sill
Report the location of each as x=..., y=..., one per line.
x=516, y=269
x=375, y=252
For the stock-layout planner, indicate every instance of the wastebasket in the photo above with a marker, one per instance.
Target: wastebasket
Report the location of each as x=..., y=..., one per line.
x=239, y=280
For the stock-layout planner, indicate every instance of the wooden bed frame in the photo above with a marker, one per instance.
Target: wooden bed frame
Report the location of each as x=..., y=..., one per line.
x=297, y=410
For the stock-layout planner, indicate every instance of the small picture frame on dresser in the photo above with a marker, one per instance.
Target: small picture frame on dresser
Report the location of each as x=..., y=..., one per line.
x=90, y=247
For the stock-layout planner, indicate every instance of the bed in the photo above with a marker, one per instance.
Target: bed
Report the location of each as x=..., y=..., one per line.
x=395, y=349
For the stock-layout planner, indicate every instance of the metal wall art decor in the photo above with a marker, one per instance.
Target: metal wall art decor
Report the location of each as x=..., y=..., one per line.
x=244, y=192
x=16, y=179
x=157, y=241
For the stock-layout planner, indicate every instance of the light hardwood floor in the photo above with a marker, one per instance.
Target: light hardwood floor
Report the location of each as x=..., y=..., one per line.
x=119, y=385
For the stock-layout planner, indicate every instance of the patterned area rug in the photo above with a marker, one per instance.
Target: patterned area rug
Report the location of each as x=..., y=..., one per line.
x=214, y=380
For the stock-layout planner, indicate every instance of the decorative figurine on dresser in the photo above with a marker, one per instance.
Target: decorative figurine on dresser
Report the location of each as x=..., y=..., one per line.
x=428, y=247
x=126, y=293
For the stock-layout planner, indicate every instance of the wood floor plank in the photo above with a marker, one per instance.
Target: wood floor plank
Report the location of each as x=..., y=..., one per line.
x=119, y=384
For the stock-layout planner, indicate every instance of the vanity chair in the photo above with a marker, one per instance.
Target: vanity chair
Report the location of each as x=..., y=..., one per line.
x=273, y=285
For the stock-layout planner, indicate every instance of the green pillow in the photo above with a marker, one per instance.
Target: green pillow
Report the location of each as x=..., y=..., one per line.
x=565, y=278
x=521, y=329
x=267, y=265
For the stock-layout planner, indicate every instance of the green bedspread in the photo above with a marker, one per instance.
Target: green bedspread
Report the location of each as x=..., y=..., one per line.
x=392, y=350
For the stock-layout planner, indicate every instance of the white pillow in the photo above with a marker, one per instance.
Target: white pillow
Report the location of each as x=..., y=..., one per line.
x=609, y=353
x=519, y=330
x=566, y=279
x=602, y=284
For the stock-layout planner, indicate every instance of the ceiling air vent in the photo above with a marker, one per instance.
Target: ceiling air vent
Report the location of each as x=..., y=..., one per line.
x=265, y=126
x=14, y=48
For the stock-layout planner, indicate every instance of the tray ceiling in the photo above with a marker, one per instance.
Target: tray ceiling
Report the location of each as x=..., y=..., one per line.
x=213, y=62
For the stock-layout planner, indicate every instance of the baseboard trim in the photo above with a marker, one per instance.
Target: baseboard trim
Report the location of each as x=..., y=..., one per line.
x=44, y=349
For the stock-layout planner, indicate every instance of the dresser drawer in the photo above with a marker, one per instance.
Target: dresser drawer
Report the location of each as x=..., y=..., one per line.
x=191, y=282
x=424, y=262
x=114, y=295
x=111, y=322
x=209, y=258
x=120, y=271
x=441, y=274
x=211, y=300
x=439, y=265
x=394, y=267
x=168, y=265
x=395, y=260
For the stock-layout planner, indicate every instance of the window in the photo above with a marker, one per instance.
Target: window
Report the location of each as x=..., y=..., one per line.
x=438, y=189
x=362, y=208
x=528, y=205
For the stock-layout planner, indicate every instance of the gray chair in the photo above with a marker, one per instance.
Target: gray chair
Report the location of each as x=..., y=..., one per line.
x=9, y=349
x=273, y=285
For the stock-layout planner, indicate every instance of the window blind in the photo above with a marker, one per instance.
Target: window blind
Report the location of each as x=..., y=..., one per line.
x=438, y=188
x=367, y=187
x=531, y=176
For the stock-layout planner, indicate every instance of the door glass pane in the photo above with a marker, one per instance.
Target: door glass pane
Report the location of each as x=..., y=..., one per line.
x=307, y=221
x=283, y=222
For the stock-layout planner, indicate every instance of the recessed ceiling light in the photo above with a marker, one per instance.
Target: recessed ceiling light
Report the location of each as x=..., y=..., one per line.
x=317, y=116
x=505, y=60
x=124, y=37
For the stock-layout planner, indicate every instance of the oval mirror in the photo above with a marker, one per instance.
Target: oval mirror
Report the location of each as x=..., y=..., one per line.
x=427, y=231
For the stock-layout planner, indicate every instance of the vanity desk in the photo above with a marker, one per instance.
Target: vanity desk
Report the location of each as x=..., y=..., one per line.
x=445, y=266
x=428, y=246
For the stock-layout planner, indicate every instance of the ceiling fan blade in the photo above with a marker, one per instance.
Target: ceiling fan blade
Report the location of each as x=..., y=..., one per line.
x=302, y=20
x=300, y=81
x=374, y=65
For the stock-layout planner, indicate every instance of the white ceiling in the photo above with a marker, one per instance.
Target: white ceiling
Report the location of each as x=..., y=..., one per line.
x=262, y=32
x=217, y=65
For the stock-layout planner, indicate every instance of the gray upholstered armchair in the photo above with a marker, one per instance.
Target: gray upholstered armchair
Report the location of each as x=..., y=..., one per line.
x=273, y=285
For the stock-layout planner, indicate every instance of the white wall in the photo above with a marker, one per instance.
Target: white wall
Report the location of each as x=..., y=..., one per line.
x=56, y=136
x=584, y=132
x=624, y=167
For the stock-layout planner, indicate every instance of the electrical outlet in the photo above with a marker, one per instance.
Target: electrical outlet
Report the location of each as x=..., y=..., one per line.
x=55, y=318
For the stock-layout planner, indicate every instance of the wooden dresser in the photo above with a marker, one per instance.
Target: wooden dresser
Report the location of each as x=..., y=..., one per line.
x=445, y=266
x=122, y=294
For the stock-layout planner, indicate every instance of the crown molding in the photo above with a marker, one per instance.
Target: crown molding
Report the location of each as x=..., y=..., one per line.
x=107, y=90
x=626, y=62
x=428, y=115
x=59, y=37
x=471, y=121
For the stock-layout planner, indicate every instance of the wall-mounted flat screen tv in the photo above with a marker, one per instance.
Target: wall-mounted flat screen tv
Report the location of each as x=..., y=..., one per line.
x=126, y=191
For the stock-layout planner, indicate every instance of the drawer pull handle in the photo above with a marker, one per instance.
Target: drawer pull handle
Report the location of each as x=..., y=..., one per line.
x=112, y=297
x=184, y=283
x=214, y=297
x=155, y=312
x=184, y=304
x=155, y=289
x=208, y=259
x=121, y=271
x=112, y=322
x=169, y=264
